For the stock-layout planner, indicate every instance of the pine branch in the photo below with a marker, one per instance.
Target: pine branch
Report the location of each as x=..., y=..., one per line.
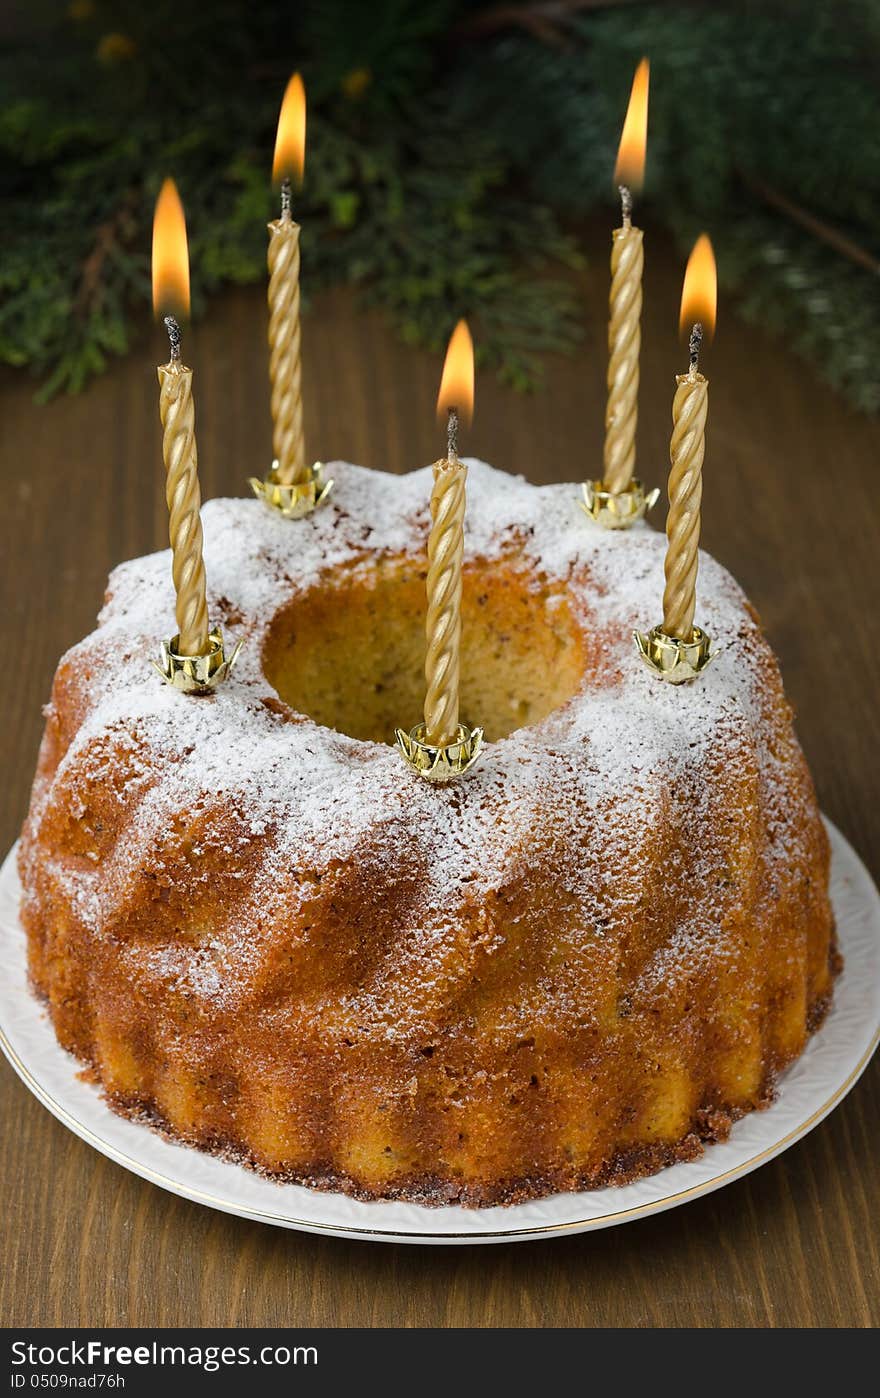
x=544, y=20
x=840, y=242
x=448, y=142
x=110, y=235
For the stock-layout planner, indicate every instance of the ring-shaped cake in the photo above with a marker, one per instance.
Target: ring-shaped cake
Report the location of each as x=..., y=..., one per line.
x=265, y=935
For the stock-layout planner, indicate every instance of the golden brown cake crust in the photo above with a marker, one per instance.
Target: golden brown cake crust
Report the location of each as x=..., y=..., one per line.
x=271, y=940
x=709, y=1126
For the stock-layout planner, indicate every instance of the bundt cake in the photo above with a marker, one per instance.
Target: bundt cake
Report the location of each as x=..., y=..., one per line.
x=270, y=938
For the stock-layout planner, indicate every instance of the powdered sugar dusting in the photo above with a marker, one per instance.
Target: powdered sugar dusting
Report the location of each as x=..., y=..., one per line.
x=299, y=798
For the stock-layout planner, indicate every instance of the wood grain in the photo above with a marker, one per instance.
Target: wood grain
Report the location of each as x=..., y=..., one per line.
x=791, y=481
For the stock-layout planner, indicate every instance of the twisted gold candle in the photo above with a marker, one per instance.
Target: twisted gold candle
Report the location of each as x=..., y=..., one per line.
x=177, y=412
x=446, y=547
x=171, y=288
x=285, y=367
x=625, y=302
x=624, y=344
x=686, y=451
x=688, y=446
x=443, y=623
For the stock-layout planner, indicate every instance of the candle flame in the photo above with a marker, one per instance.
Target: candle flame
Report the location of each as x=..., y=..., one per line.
x=699, y=295
x=630, y=167
x=457, y=383
x=170, y=254
x=290, y=142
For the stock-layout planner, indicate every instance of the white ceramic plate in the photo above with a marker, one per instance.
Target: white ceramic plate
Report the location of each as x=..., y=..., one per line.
x=821, y=1077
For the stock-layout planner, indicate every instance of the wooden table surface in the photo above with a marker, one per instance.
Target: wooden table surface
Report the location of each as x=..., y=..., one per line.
x=791, y=485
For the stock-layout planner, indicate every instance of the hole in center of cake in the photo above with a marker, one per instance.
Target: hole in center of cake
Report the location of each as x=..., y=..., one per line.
x=350, y=652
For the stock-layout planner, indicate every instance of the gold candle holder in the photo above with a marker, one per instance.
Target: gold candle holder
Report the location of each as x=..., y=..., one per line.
x=672, y=659
x=444, y=762
x=618, y=509
x=297, y=499
x=196, y=674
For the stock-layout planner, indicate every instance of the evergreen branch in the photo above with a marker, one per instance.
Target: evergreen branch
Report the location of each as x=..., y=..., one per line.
x=544, y=20
x=825, y=232
x=109, y=236
x=447, y=144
